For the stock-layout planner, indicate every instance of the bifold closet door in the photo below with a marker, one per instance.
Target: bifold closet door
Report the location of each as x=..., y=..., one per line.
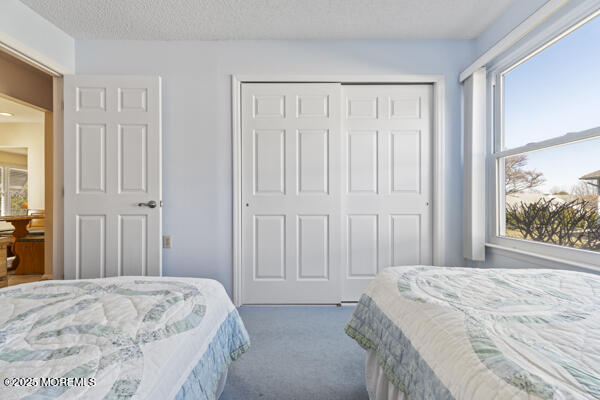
x=291, y=192
x=387, y=181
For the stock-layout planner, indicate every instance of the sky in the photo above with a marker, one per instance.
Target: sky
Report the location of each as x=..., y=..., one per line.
x=554, y=93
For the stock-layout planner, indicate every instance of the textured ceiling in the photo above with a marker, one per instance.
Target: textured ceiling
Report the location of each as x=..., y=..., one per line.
x=270, y=19
x=21, y=113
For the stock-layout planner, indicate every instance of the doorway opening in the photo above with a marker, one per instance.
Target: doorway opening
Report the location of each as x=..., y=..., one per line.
x=26, y=172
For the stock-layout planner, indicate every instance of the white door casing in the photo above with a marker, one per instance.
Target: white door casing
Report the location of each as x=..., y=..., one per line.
x=112, y=163
x=387, y=181
x=290, y=193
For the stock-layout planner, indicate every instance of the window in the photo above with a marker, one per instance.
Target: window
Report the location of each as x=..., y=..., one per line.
x=547, y=147
x=13, y=184
x=17, y=190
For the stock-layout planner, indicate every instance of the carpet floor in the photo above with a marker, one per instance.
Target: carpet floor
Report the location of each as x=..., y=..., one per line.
x=297, y=353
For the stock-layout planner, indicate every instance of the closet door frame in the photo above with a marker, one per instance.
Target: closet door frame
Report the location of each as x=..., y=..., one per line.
x=439, y=152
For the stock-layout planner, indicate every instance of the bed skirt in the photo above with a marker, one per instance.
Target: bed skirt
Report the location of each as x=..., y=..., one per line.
x=378, y=386
x=221, y=385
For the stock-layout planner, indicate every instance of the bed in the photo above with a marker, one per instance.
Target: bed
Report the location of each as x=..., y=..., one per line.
x=466, y=333
x=127, y=337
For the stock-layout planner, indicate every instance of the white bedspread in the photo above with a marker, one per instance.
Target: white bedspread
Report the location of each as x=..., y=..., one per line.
x=464, y=333
x=127, y=337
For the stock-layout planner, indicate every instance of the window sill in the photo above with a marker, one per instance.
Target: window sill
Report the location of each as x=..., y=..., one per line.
x=540, y=256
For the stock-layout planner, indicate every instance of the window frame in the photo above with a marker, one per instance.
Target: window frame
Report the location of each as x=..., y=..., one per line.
x=541, y=39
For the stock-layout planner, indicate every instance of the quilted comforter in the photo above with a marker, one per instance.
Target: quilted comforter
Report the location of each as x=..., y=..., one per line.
x=464, y=333
x=127, y=337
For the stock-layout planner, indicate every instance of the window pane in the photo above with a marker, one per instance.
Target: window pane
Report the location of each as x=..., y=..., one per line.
x=17, y=191
x=552, y=195
x=18, y=201
x=556, y=91
x=17, y=178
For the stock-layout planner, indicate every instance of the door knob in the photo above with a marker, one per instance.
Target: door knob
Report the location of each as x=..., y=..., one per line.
x=150, y=204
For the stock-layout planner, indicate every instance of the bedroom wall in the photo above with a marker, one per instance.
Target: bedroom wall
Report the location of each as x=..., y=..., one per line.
x=23, y=29
x=197, y=150
x=512, y=17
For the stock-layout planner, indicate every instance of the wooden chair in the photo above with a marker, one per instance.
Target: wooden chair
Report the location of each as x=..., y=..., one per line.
x=31, y=247
x=31, y=252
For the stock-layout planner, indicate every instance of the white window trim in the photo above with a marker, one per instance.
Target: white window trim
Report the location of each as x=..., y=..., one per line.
x=522, y=52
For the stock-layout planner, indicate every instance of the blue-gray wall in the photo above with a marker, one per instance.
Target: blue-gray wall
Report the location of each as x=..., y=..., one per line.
x=26, y=31
x=197, y=150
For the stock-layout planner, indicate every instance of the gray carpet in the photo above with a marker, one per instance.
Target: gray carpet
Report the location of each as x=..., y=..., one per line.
x=297, y=353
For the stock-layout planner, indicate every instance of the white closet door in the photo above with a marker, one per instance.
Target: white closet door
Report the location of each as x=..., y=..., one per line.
x=387, y=178
x=112, y=159
x=291, y=193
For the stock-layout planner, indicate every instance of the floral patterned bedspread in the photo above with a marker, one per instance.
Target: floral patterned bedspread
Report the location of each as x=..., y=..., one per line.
x=465, y=333
x=117, y=338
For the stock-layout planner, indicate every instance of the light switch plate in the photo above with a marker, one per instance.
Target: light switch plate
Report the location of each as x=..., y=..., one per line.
x=167, y=242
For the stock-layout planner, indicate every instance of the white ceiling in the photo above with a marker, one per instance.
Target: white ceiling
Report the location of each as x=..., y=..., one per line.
x=271, y=19
x=21, y=113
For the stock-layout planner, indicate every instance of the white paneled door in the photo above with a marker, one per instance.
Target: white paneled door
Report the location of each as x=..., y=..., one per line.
x=387, y=181
x=112, y=161
x=336, y=186
x=291, y=193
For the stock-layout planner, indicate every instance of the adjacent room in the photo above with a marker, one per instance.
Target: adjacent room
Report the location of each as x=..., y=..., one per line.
x=300, y=199
x=23, y=163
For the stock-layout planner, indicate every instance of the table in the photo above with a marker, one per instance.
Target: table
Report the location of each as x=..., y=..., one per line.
x=20, y=223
